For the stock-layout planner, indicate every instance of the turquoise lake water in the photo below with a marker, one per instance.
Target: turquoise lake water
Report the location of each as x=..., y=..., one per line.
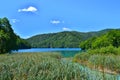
x=66, y=52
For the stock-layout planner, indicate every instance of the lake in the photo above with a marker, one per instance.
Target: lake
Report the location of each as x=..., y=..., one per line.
x=66, y=52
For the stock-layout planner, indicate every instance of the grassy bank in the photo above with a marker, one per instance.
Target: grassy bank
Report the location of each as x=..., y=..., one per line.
x=43, y=66
x=106, y=59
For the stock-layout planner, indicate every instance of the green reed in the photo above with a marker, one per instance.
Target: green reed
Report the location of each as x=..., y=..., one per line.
x=42, y=66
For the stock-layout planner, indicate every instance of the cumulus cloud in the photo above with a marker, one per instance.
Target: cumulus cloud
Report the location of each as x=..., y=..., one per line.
x=66, y=29
x=14, y=20
x=55, y=21
x=29, y=9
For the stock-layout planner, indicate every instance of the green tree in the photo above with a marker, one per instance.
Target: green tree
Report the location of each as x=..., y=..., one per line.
x=8, y=39
x=111, y=38
x=114, y=37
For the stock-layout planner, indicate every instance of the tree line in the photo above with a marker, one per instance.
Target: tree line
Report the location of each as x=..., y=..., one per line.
x=8, y=39
x=65, y=39
x=111, y=38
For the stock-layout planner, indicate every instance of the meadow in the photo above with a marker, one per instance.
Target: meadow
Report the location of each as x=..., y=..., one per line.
x=45, y=66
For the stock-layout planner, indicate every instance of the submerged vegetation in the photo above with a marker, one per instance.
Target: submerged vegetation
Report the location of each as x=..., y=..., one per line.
x=44, y=66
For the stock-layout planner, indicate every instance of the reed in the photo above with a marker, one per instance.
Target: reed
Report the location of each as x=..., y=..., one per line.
x=43, y=66
x=104, y=59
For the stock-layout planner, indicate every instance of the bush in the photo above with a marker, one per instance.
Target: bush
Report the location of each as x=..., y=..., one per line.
x=105, y=50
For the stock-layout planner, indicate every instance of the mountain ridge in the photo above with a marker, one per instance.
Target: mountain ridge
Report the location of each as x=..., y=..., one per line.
x=65, y=39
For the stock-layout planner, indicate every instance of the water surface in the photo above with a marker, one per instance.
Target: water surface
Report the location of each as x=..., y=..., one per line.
x=66, y=52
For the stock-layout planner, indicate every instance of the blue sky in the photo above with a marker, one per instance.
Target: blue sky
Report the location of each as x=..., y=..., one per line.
x=31, y=17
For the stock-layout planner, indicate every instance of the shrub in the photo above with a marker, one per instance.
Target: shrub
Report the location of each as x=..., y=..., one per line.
x=104, y=50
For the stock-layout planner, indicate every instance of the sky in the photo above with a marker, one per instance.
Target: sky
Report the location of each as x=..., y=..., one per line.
x=32, y=17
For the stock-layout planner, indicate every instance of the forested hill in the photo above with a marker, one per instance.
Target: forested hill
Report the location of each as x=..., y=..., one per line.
x=8, y=39
x=111, y=38
x=66, y=39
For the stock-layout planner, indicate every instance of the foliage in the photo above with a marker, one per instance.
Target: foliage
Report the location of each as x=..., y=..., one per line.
x=66, y=39
x=110, y=38
x=8, y=39
x=87, y=43
x=105, y=50
x=43, y=66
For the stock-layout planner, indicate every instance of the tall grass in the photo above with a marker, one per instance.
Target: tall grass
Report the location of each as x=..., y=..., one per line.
x=110, y=62
x=105, y=59
x=43, y=66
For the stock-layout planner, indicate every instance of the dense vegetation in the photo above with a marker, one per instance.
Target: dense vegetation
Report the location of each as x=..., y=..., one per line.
x=101, y=53
x=106, y=59
x=111, y=38
x=8, y=39
x=66, y=39
x=44, y=66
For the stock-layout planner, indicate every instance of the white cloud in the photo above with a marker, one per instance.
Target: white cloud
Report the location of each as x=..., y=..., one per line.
x=14, y=20
x=29, y=9
x=66, y=29
x=55, y=22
